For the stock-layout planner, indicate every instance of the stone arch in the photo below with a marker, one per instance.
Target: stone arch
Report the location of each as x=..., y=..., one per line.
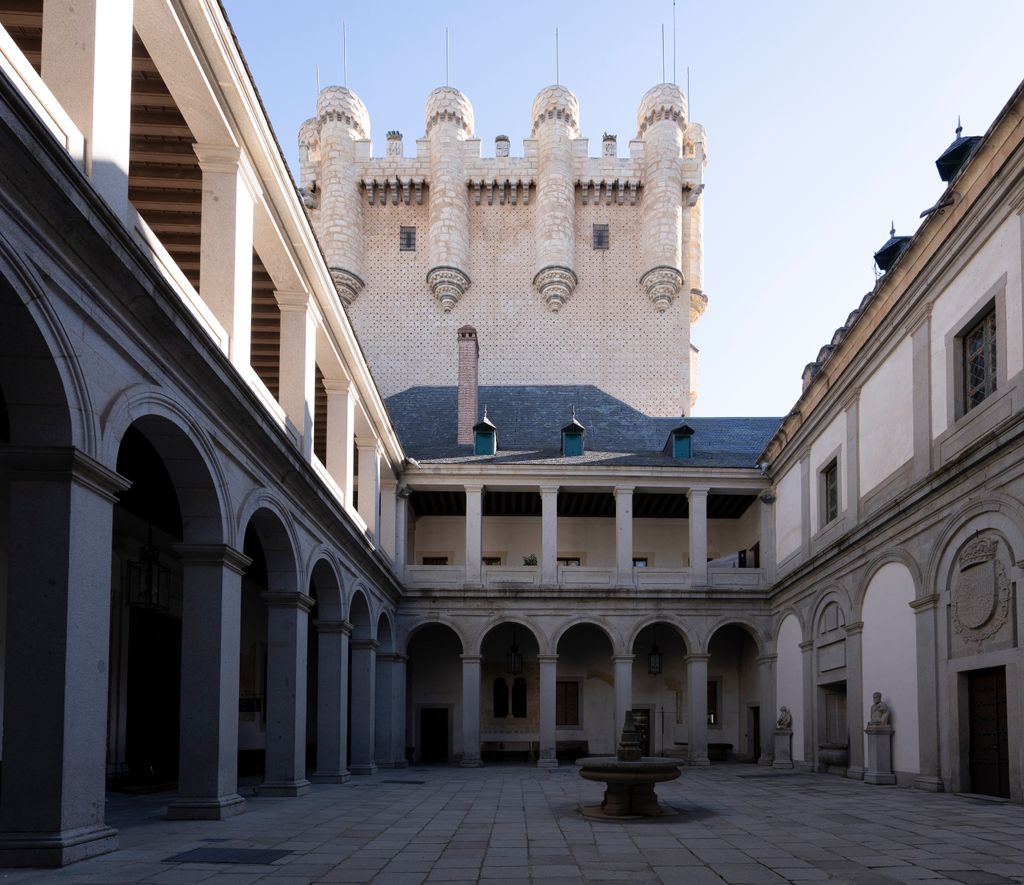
x=640, y=626
x=892, y=554
x=385, y=631
x=762, y=641
x=322, y=570
x=613, y=635
x=796, y=612
x=520, y=620
x=831, y=593
x=407, y=633
x=277, y=537
x=360, y=613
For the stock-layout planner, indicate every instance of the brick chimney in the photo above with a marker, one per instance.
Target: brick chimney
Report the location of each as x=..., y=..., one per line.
x=469, y=384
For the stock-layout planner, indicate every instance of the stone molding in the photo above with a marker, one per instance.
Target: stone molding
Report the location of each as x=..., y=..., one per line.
x=347, y=284
x=661, y=284
x=46, y=464
x=447, y=285
x=213, y=554
x=555, y=283
x=324, y=626
x=288, y=599
x=363, y=644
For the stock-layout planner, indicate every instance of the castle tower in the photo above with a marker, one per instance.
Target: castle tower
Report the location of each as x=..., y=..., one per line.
x=449, y=123
x=343, y=120
x=556, y=114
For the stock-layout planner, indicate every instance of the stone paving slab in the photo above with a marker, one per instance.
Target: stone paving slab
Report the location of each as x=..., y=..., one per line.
x=517, y=824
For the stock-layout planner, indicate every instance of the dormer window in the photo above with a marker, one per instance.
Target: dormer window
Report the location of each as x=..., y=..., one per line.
x=680, y=442
x=572, y=438
x=485, y=437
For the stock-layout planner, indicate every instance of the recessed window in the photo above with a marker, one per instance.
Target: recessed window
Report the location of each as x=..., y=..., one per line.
x=830, y=492
x=569, y=560
x=601, y=237
x=434, y=560
x=639, y=562
x=567, y=703
x=979, y=350
x=407, y=239
x=490, y=560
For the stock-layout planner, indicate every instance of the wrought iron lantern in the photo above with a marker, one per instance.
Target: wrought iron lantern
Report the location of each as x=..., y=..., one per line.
x=654, y=656
x=514, y=659
x=148, y=579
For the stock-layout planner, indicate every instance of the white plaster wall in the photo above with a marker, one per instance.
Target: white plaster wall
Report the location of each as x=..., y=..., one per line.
x=789, y=680
x=1000, y=254
x=584, y=655
x=732, y=664
x=788, y=505
x=434, y=679
x=886, y=421
x=665, y=694
x=822, y=449
x=890, y=659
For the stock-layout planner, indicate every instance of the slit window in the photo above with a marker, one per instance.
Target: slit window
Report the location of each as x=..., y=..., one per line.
x=601, y=236
x=406, y=239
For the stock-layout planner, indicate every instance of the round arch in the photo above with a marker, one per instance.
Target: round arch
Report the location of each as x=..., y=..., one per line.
x=798, y=614
x=762, y=642
x=360, y=613
x=479, y=636
x=409, y=631
x=324, y=574
x=385, y=632
x=640, y=626
x=830, y=593
x=889, y=555
x=610, y=633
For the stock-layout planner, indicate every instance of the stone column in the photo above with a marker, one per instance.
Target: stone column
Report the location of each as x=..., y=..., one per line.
x=401, y=531
x=623, y=665
x=474, y=534
x=470, y=711
x=808, y=737
x=697, y=709
x=398, y=689
x=341, y=422
x=926, y=611
x=297, y=384
x=766, y=501
x=364, y=698
x=388, y=525
x=285, y=768
x=57, y=646
x=624, y=535
x=855, y=698
x=211, y=625
x=698, y=523
x=766, y=687
x=549, y=536
x=369, y=487
x=382, y=738
x=230, y=189
x=87, y=65
x=548, y=681
x=332, y=701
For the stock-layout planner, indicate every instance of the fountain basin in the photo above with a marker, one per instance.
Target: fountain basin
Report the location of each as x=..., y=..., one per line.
x=629, y=785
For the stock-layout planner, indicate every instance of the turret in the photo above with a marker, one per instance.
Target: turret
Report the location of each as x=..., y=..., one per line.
x=449, y=123
x=343, y=120
x=556, y=115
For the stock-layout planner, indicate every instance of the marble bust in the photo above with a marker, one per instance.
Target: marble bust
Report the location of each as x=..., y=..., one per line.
x=879, y=711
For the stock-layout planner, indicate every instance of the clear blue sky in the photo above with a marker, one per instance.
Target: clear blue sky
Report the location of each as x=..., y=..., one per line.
x=824, y=120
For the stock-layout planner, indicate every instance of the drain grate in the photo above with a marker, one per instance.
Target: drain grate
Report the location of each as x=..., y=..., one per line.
x=411, y=783
x=229, y=855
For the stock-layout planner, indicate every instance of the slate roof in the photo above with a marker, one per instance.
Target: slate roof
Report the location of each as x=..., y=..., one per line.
x=529, y=420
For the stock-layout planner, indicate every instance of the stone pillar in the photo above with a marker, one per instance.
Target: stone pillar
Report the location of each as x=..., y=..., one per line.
x=332, y=702
x=449, y=122
x=623, y=665
x=808, y=737
x=766, y=500
x=695, y=160
x=556, y=114
x=398, y=689
x=57, y=646
x=697, y=712
x=230, y=189
x=297, y=384
x=401, y=531
x=549, y=536
x=661, y=121
x=470, y=711
x=698, y=523
x=388, y=524
x=87, y=65
x=344, y=121
x=783, y=748
x=364, y=698
x=369, y=487
x=341, y=423
x=855, y=697
x=624, y=535
x=211, y=625
x=548, y=681
x=382, y=738
x=285, y=768
x=474, y=534
x=926, y=611
x=766, y=687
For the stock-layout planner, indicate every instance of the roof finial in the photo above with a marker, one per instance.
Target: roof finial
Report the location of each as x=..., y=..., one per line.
x=574, y=412
x=892, y=228
x=485, y=411
x=959, y=127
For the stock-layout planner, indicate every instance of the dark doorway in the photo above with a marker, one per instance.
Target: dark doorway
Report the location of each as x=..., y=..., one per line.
x=989, y=740
x=434, y=734
x=755, y=733
x=642, y=724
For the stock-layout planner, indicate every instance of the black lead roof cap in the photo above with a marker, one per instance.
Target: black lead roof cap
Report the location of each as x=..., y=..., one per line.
x=894, y=247
x=959, y=152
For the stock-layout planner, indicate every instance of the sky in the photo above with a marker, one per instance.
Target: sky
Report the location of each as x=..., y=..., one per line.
x=824, y=120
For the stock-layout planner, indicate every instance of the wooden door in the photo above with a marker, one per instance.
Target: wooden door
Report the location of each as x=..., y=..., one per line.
x=434, y=734
x=989, y=740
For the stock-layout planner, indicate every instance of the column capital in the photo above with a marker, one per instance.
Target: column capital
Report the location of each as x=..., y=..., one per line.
x=363, y=644
x=59, y=463
x=371, y=446
x=697, y=490
x=341, y=386
x=213, y=554
x=293, y=300
x=228, y=159
x=324, y=626
x=807, y=645
x=854, y=628
x=547, y=489
x=623, y=659
x=925, y=603
x=697, y=658
x=474, y=488
x=288, y=599
x=624, y=490
x=768, y=659
x=547, y=659
x=471, y=659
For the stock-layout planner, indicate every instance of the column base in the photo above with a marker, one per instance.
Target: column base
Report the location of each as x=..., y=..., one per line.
x=879, y=778
x=470, y=762
x=56, y=849
x=331, y=777
x=765, y=760
x=206, y=809
x=778, y=763
x=855, y=774
x=547, y=763
x=930, y=783
x=699, y=763
x=363, y=768
x=284, y=789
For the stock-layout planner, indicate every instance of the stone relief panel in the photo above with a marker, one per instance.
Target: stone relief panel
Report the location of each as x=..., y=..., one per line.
x=980, y=608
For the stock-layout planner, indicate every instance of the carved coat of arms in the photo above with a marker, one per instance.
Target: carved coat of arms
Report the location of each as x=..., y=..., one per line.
x=980, y=596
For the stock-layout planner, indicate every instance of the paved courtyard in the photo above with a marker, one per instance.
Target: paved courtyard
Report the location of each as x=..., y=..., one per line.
x=506, y=824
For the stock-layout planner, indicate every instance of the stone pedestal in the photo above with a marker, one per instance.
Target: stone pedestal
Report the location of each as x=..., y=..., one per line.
x=783, y=744
x=879, y=769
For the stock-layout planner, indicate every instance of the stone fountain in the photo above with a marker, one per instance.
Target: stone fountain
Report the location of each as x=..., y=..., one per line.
x=629, y=780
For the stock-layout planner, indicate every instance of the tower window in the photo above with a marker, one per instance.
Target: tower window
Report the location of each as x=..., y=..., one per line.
x=601, y=236
x=979, y=343
x=407, y=239
x=830, y=492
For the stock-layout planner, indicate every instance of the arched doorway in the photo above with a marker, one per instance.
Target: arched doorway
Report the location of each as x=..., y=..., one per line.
x=509, y=694
x=327, y=678
x=434, y=707
x=362, y=694
x=585, y=708
x=734, y=707
x=389, y=728
x=659, y=685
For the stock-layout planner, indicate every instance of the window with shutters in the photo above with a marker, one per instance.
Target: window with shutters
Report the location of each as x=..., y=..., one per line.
x=567, y=703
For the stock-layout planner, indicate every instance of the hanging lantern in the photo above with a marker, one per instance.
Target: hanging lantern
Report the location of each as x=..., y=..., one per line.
x=514, y=659
x=654, y=657
x=148, y=584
